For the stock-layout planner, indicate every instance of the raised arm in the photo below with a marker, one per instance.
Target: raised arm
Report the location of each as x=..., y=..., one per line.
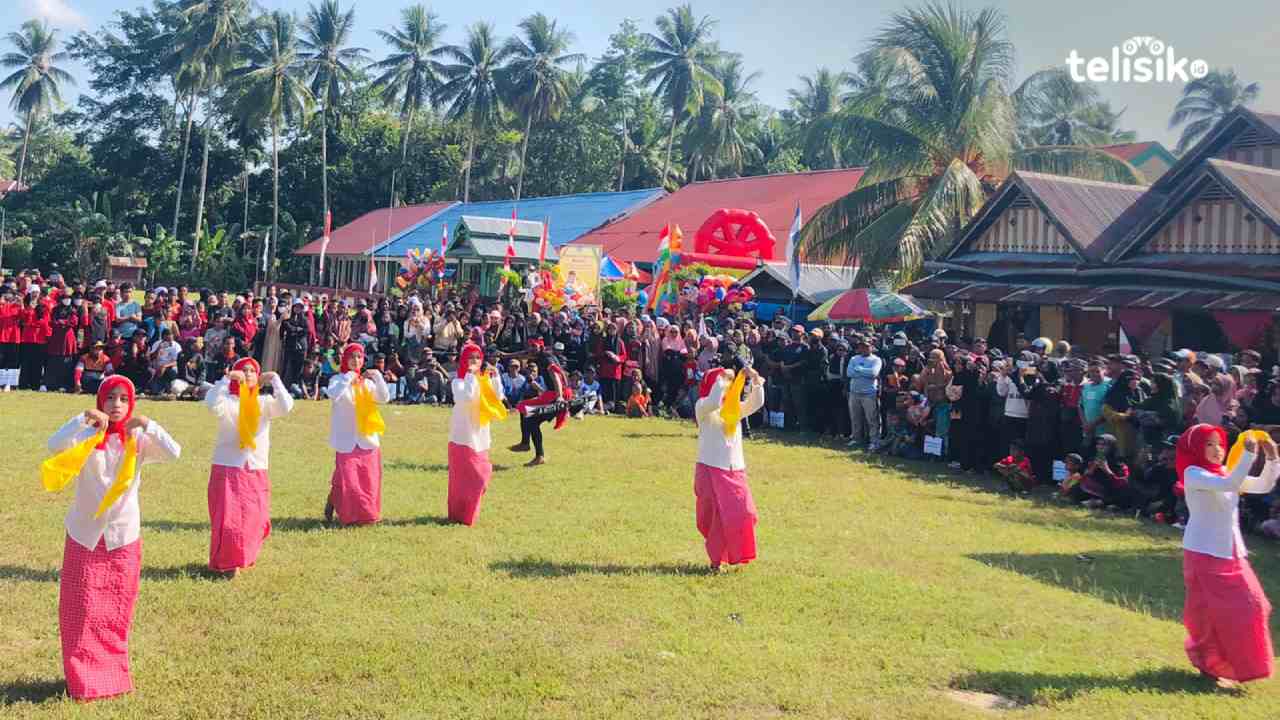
x=75, y=430
x=466, y=390
x=1264, y=483
x=155, y=445
x=219, y=398
x=281, y=401
x=338, y=385
x=1197, y=478
x=381, y=393
x=755, y=398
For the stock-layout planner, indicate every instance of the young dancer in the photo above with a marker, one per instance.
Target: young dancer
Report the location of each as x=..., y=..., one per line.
x=551, y=404
x=239, y=488
x=726, y=513
x=1226, y=611
x=477, y=401
x=102, y=451
x=355, y=425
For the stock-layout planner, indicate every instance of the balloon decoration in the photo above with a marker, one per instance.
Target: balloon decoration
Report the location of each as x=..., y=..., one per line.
x=735, y=233
x=711, y=293
x=421, y=269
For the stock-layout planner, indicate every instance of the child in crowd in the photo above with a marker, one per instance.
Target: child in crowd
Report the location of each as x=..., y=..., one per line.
x=1015, y=468
x=589, y=389
x=638, y=403
x=1069, y=489
x=1106, y=477
x=309, y=382
x=1161, y=486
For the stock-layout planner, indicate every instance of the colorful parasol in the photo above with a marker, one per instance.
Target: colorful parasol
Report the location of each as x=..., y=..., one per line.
x=871, y=306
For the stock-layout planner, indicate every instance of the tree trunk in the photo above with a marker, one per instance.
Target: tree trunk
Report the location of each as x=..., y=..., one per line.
x=404, y=149
x=275, y=197
x=26, y=139
x=182, y=174
x=666, y=167
x=524, y=148
x=245, y=227
x=471, y=154
x=204, y=180
x=622, y=162
x=324, y=157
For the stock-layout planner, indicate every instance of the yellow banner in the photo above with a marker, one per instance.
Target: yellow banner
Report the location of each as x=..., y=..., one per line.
x=580, y=268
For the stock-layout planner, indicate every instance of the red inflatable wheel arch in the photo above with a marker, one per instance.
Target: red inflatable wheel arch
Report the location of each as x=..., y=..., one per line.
x=736, y=233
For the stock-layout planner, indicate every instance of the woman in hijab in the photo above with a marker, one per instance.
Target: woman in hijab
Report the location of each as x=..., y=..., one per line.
x=1118, y=408
x=1160, y=415
x=611, y=358
x=1106, y=476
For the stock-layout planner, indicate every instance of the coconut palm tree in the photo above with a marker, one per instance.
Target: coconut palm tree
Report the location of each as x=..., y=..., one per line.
x=273, y=89
x=937, y=137
x=535, y=79
x=679, y=58
x=35, y=79
x=815, y=106
x=1053, y=109
x=325, y=34
x=471, y=86
x=1207, y=100
x=719, y=139
x=204, y=50
x=410, y=74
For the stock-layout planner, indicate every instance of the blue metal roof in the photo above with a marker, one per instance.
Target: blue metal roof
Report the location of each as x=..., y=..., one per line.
x=571, y=216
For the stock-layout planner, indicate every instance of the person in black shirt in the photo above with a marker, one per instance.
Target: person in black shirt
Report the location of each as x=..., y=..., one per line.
x=813, y=379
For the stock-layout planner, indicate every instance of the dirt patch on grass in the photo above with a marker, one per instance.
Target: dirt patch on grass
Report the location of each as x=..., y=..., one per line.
x=982, y=700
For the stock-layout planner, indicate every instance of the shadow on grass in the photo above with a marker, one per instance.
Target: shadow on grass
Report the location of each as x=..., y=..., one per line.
x=542, y=568
x=190, y=571
x=1148, y=582
x=174, y=526
x=294, y=524
x=417, y=467
x=1030, y=687
x=32, y=691
x=645, y=436
x=420, y=520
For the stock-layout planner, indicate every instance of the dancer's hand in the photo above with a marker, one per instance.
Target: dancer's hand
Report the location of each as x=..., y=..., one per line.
x=96, y=418
x=137, y=422
x=236, y=376
x=372, y=374
x=1270, y=449
x=266, y=377
x=1250, y=444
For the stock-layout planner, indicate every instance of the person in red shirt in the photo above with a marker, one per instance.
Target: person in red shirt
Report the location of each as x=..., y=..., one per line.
x=63, y=346
x=10, y=337
x=611, y=358
x=35, y=330
x=1016, y=469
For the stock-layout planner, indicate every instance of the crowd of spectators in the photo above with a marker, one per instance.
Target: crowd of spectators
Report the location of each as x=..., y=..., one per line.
x=1099, y=430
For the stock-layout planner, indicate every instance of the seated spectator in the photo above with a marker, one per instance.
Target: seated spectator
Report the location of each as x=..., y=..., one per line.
x=1069, y=489
x=222, y=363
x=92, y=368
x=1016, y=470
x=1160, y=486
x=513, y=382
x=164, y=362
x=589, y=390
x=192, y=381
x=638, y=403
x=1106, y=477
x=309, y=382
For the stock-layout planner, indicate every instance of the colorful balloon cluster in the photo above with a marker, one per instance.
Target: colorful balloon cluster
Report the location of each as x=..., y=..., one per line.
x=714, y=291
x=552, y=293
x=420, y=269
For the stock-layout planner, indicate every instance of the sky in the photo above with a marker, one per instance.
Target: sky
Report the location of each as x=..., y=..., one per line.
x=785, y=39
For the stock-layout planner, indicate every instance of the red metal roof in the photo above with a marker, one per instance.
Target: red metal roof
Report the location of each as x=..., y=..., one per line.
x=634, y=237
x=372, y=229
x=8, y=186
x=1259, y=184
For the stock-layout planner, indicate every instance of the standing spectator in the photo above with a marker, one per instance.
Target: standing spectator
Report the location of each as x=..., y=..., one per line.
x=611, y=358
x=1118, y=408
x=62, y=346
x=296, y=343
x=813, y=380
x=1014, y=422
x=863, y=372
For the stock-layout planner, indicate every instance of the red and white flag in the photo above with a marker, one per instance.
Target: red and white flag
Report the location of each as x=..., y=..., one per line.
x=511, y=242
x=542, y=246
x=324, y=242
x=444, y=239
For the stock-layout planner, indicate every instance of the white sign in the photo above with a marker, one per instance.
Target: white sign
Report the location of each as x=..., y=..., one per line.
x=1129, y=63
x=933, y=445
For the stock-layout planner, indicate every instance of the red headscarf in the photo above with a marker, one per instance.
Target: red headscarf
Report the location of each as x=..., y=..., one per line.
x=709, y=381
x=470, y=350
x=104, y=390
x=347, y=352
x=241, y=364
x=1191, y=449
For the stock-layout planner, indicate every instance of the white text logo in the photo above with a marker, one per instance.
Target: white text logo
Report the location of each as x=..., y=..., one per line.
x=1128, y=63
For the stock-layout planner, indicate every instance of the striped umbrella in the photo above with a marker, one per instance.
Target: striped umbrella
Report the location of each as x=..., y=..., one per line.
x=871, y=306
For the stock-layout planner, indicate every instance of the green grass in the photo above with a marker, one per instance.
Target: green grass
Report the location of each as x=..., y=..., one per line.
x=580, y=592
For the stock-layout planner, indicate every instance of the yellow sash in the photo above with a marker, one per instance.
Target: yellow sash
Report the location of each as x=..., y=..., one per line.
x=490, y=407
x=58, y=471
x=731, y=408
x=368, y=420
x=250, y=414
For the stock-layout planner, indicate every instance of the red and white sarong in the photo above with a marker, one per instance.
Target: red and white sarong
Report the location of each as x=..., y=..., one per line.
x=469, y=473
x=726, y=514
x=1226, y=618
x=96, y=597
x=356, y=488
x=239, y=516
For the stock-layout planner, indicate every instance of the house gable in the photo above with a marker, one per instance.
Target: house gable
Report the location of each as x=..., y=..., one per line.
x=1213, y=221
x=1241, y=136
x=1021, y=227
x=1252, y=145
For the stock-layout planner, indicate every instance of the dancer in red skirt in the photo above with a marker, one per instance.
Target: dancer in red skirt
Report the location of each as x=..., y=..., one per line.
x=355, y=493
x=239, y=488
x=726, y=513
x=102, y=451
x=469, y=466
x=1226, y=611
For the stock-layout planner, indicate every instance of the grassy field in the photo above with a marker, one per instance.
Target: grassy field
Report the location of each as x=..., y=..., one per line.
x=580, y=592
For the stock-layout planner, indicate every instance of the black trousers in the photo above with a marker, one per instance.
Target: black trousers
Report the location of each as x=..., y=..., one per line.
x=292, y=367
x=32, y=356
x=58, y=372
x=8, y=356
x=531, y=429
